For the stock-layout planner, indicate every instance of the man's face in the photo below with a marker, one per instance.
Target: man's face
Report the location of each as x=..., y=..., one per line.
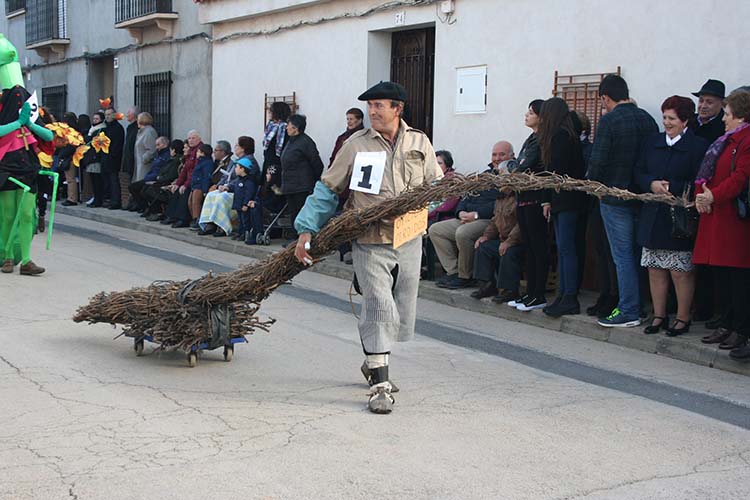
x=109, y=115
x=352, y=122
x=193, y=140
x=160, y=145
x=131, y=115
x=382, y=114
x=708, y=106
x=500, y=153
x=219, y=153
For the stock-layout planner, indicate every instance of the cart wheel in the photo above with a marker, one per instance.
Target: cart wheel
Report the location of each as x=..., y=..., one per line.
x=228, y=353
x=266, y=239
x=259, y=239
x=192, y=359
x=138, y=346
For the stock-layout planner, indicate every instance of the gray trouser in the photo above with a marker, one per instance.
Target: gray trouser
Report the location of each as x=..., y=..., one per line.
x=388, y=310
x=454, y=244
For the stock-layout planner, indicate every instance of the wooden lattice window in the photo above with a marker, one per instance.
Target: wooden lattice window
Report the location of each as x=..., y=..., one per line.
x=291, y=100
x=153, y=93
x=581, y=92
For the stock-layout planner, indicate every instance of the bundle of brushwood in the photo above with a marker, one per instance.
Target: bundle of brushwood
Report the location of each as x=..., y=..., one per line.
x=181, y=314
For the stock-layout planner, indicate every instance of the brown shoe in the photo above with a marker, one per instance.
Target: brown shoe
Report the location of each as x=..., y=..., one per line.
x=733, y=341
x=7, y=266
x=31, y=269
x=717, y=337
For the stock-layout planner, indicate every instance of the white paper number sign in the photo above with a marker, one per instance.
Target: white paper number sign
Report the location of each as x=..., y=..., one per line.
x=367, y=174
x=34, y=103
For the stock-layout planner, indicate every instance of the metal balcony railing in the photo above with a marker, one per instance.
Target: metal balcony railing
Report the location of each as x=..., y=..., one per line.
x=126, y=10
x=46, y=20
x=12, y=6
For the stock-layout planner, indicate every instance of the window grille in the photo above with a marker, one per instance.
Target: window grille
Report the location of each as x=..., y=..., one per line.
x=55, y=99
x=125, y=10
x=291, y=100
x=581, y=92
x=12, y=6
x=46, y=20
x=153, y=94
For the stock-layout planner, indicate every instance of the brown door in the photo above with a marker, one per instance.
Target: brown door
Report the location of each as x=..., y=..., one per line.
x=413, y=66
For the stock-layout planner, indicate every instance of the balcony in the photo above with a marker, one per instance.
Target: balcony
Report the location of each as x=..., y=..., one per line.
x=14, y=8
x=46, y=27
x=139, y=15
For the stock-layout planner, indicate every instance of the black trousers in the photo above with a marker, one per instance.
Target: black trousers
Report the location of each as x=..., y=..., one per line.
x=177, y=207
x=503, y=270
x=97, y=184
x=535, y=233
x=294, y=203
x=112, y=180
x=136, y=193
x=606, y=273
x=735, y=292
x=155, y=197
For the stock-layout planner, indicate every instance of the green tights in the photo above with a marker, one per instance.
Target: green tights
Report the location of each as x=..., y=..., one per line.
x=18, y=250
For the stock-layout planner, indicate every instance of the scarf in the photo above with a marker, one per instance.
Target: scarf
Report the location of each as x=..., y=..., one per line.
x=277, y=129
x=95, y=128
x=708, y=166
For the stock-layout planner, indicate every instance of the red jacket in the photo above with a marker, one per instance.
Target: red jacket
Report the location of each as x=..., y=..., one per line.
x=188, y=165
x=723, y=238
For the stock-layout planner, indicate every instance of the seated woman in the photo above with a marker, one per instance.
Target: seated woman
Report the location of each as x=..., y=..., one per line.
x=444, y=209
x=216, y=214
x=668, y=165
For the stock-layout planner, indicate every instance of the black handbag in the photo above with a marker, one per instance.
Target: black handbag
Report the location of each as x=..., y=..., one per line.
x=742, y=201
x=684, y=222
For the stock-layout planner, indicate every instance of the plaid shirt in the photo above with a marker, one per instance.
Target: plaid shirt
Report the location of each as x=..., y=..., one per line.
x=617, y=146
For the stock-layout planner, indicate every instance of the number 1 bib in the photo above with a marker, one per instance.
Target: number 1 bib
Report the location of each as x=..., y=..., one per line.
x=367, y=174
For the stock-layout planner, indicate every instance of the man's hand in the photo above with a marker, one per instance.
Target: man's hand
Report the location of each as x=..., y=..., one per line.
x=244, y=208
x=503, y=248
x=660, y=187
x=24, y=115
x=479, y=241
x=467, y=217
x=251, y=204
x=182, y=189
x=303, y=245
x=546, y=211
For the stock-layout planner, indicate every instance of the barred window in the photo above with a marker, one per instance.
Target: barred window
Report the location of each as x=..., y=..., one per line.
x=125, y=10
x=153, y=94
x=55, y=99
x=46, y=20
x=581, y=92
x=12, y=6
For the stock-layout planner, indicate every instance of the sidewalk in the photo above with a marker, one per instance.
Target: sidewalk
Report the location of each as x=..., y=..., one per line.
x=686, y=347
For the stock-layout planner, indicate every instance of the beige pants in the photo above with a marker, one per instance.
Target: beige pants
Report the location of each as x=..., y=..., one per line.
x=454, y=244
x=70, y=178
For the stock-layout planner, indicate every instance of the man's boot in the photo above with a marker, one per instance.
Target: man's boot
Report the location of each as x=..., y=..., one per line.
x=381, y=401
x=31, y=269
x=367, y=372
x=7, y=266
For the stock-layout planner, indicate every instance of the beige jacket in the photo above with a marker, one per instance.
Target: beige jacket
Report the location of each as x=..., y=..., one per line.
x=410, y=163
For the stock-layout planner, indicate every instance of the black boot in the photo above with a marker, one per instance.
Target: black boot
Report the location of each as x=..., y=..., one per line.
x=568, y=305
x=486, y=289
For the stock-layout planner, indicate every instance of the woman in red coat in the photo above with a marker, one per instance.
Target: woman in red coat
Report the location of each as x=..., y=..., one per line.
x=723, y=239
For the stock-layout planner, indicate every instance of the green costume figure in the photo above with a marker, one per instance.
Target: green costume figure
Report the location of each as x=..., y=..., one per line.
x=19, y=166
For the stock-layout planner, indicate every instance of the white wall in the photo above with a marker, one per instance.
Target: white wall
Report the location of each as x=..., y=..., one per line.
x=664, y=48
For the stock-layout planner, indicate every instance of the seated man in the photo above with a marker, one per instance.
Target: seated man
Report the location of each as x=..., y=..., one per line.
x=454, y=239
x=160, y=160
x=499, y=253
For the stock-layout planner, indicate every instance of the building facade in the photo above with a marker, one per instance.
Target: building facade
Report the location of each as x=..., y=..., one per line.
x=151, y=53
x=471, y=66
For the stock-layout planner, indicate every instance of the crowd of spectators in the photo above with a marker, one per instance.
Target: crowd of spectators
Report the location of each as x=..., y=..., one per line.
x=492, y=241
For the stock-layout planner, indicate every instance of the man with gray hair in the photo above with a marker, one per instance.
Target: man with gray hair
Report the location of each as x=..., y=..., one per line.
x=454, y=239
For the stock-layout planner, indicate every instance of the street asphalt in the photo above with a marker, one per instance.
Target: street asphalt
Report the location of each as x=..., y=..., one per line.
x=488, y=408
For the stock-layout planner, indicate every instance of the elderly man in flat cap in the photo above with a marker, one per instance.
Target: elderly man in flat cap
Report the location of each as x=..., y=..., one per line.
x=376, y=164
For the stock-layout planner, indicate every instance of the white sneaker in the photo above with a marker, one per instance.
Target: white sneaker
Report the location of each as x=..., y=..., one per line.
x=517, y=302
x=532, y=304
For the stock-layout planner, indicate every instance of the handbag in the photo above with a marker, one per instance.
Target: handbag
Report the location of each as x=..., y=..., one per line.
x=742, y=201
x=94, y=168
x=684, y=219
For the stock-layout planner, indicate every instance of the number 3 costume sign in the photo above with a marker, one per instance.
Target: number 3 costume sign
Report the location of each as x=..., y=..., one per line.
x=367, y=174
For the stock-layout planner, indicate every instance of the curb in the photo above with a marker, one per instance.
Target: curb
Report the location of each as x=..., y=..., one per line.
x=684, y=348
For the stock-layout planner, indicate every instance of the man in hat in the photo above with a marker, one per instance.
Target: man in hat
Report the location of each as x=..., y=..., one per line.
x=710, y=110
x=376, y=164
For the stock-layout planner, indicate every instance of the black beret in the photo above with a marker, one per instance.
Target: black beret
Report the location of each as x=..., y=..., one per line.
x=385, y=90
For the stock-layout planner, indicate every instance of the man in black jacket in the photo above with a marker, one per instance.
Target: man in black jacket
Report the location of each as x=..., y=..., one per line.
x=128, y=156
x=112, y=160
x=710, y=110
x=454, y=239
x=616, y=148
